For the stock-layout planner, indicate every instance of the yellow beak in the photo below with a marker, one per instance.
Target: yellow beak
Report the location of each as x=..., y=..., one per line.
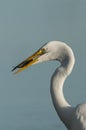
x=29, y=61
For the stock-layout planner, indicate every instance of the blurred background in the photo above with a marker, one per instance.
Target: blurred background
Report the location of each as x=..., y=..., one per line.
x=25, y=25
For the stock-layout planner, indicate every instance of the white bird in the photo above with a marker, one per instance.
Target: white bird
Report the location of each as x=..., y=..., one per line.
x=74, y=118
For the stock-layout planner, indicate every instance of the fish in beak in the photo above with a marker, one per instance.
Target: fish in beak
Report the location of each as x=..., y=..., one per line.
x=29, y=61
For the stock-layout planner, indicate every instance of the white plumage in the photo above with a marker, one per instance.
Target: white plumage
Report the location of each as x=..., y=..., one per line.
x=73, y=118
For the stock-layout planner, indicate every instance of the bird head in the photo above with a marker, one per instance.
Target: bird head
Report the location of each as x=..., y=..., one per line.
x=54, y=50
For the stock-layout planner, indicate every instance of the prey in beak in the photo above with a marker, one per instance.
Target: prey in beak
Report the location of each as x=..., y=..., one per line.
x=29, y=61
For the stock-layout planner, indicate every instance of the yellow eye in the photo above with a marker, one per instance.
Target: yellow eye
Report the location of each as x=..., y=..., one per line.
x=43, y=51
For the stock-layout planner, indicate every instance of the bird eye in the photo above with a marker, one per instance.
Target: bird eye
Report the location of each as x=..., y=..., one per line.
x=43, y=51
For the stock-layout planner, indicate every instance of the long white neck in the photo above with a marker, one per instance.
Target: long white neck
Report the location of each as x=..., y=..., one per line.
x=62, y=107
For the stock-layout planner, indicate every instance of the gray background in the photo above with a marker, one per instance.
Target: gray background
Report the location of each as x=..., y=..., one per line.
x=25, y=25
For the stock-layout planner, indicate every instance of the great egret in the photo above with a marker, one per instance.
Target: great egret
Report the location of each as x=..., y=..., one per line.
x=73, y=118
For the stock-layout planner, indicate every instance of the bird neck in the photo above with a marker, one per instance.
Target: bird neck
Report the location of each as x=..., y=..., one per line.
x=57, y=82
x=62, y=107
